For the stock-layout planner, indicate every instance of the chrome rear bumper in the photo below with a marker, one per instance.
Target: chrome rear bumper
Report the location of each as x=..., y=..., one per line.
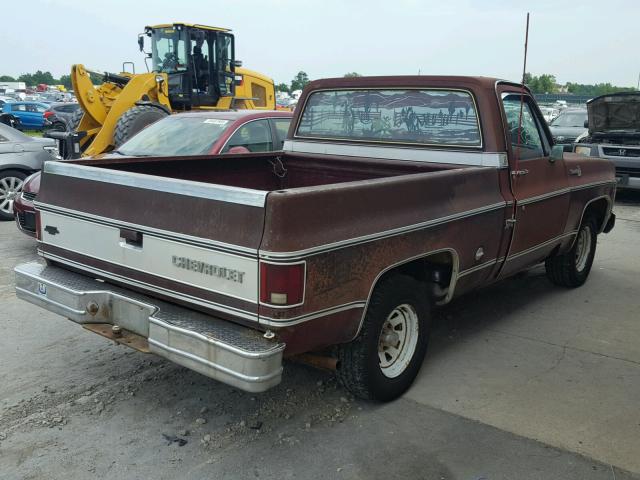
x=219, y=349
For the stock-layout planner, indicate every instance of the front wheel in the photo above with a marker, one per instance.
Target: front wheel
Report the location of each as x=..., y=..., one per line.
x=10, y=187
x=383, y=361
x=572, y=268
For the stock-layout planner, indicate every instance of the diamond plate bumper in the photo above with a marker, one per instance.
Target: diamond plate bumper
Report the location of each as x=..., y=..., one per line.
x=219, y=349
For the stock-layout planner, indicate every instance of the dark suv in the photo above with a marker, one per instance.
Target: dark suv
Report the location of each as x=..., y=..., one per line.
x=568, y=126
x=61, y=114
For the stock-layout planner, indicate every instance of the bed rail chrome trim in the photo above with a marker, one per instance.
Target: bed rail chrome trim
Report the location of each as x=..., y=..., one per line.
x=411, y=154
x=222, y=193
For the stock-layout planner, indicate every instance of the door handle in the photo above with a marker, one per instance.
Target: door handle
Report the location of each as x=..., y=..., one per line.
x=576, y=171
x=519, y=173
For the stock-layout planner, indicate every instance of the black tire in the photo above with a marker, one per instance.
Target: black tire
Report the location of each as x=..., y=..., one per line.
x=134, y=120
x=57, y=127
x=572, y=268
x=6, y=203
x=359, y=364
x=74, y=121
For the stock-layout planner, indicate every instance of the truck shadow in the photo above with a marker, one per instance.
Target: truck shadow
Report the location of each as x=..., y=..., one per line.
x=487, y=308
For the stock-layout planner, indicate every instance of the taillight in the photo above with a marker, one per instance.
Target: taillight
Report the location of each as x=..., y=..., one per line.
x=282, y=285
x=47, y=114
x=38, y=226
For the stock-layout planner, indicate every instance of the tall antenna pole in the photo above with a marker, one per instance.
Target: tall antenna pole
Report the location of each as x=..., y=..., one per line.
x=526, y=45
x=524, y=72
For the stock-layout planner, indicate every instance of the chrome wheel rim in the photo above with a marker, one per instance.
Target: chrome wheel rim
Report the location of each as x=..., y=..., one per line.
x=10, y=188
x=583, y=247
x=398, y=340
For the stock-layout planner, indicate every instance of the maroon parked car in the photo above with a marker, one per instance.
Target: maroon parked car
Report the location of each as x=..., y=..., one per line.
x=185, y=134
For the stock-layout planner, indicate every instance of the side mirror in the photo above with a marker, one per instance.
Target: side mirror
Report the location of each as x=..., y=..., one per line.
x=237, y=63
x=141, y=41
x=557, y=153
x=586, y=124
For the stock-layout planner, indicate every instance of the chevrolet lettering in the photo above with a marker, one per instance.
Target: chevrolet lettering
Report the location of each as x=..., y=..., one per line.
x=208, y=269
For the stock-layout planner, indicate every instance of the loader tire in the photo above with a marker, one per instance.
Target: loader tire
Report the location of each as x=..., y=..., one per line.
x=134, y=120
x=74, y=121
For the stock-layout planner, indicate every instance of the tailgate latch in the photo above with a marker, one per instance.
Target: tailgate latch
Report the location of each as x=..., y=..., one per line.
x=130, y=238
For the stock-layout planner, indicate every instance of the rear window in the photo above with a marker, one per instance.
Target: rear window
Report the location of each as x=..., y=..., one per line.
x=428, y=116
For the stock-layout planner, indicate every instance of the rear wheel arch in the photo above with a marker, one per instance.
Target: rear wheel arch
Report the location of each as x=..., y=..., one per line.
x=420, y=267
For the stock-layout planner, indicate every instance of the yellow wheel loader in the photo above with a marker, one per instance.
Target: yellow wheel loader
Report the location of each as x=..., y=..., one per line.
x=193, y=67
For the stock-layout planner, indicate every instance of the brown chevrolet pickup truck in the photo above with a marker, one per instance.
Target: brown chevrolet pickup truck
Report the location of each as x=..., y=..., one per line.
x=392, y=195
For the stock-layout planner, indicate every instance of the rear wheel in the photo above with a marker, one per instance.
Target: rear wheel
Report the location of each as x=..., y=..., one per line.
x=571, y=269
x=57, y=127
x=11, y=182
x=134, y=120
x=382, y=362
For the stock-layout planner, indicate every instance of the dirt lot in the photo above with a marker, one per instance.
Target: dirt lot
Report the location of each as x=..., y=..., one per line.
x=523, y=380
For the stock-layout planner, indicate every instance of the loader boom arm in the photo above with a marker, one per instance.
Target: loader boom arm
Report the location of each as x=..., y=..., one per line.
x=104, y=104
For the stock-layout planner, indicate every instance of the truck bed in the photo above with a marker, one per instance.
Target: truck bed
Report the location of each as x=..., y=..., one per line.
x=267, y=172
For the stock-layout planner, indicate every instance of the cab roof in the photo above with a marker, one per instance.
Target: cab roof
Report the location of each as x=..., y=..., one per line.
x=191, y=25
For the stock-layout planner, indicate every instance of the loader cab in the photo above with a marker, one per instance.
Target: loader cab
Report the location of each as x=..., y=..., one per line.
x=198, y=60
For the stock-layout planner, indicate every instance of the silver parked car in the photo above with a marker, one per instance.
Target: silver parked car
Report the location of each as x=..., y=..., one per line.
x=20, y=156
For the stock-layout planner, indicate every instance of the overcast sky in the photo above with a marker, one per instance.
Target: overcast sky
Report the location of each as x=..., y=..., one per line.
x=584, y=41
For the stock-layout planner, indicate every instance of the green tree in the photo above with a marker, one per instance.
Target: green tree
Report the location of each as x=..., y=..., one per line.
x=37, y=78
x=545, y=83
x=66, y=81
x=299, y=81
x=281, y=87
x=595, y=90
x=352, y=74
x=7, y=78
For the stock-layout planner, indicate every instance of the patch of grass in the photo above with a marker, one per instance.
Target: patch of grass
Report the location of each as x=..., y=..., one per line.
x=33, y=133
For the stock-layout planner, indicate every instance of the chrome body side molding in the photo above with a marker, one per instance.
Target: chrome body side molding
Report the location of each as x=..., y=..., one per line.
x=276, y=256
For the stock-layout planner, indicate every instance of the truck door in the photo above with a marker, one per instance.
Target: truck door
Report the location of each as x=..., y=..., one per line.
x=539, y=184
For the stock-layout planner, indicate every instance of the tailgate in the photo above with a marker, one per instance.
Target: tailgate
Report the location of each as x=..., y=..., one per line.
x=194, y=242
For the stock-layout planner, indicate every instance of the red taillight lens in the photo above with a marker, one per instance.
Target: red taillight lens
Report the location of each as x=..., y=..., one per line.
x=47, y=114
x=282, y=285
x=38, y=226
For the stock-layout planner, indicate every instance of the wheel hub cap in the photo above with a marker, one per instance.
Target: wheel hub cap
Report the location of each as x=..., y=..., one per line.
x=398, y=339
x=10, y=188
x=583, y=247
